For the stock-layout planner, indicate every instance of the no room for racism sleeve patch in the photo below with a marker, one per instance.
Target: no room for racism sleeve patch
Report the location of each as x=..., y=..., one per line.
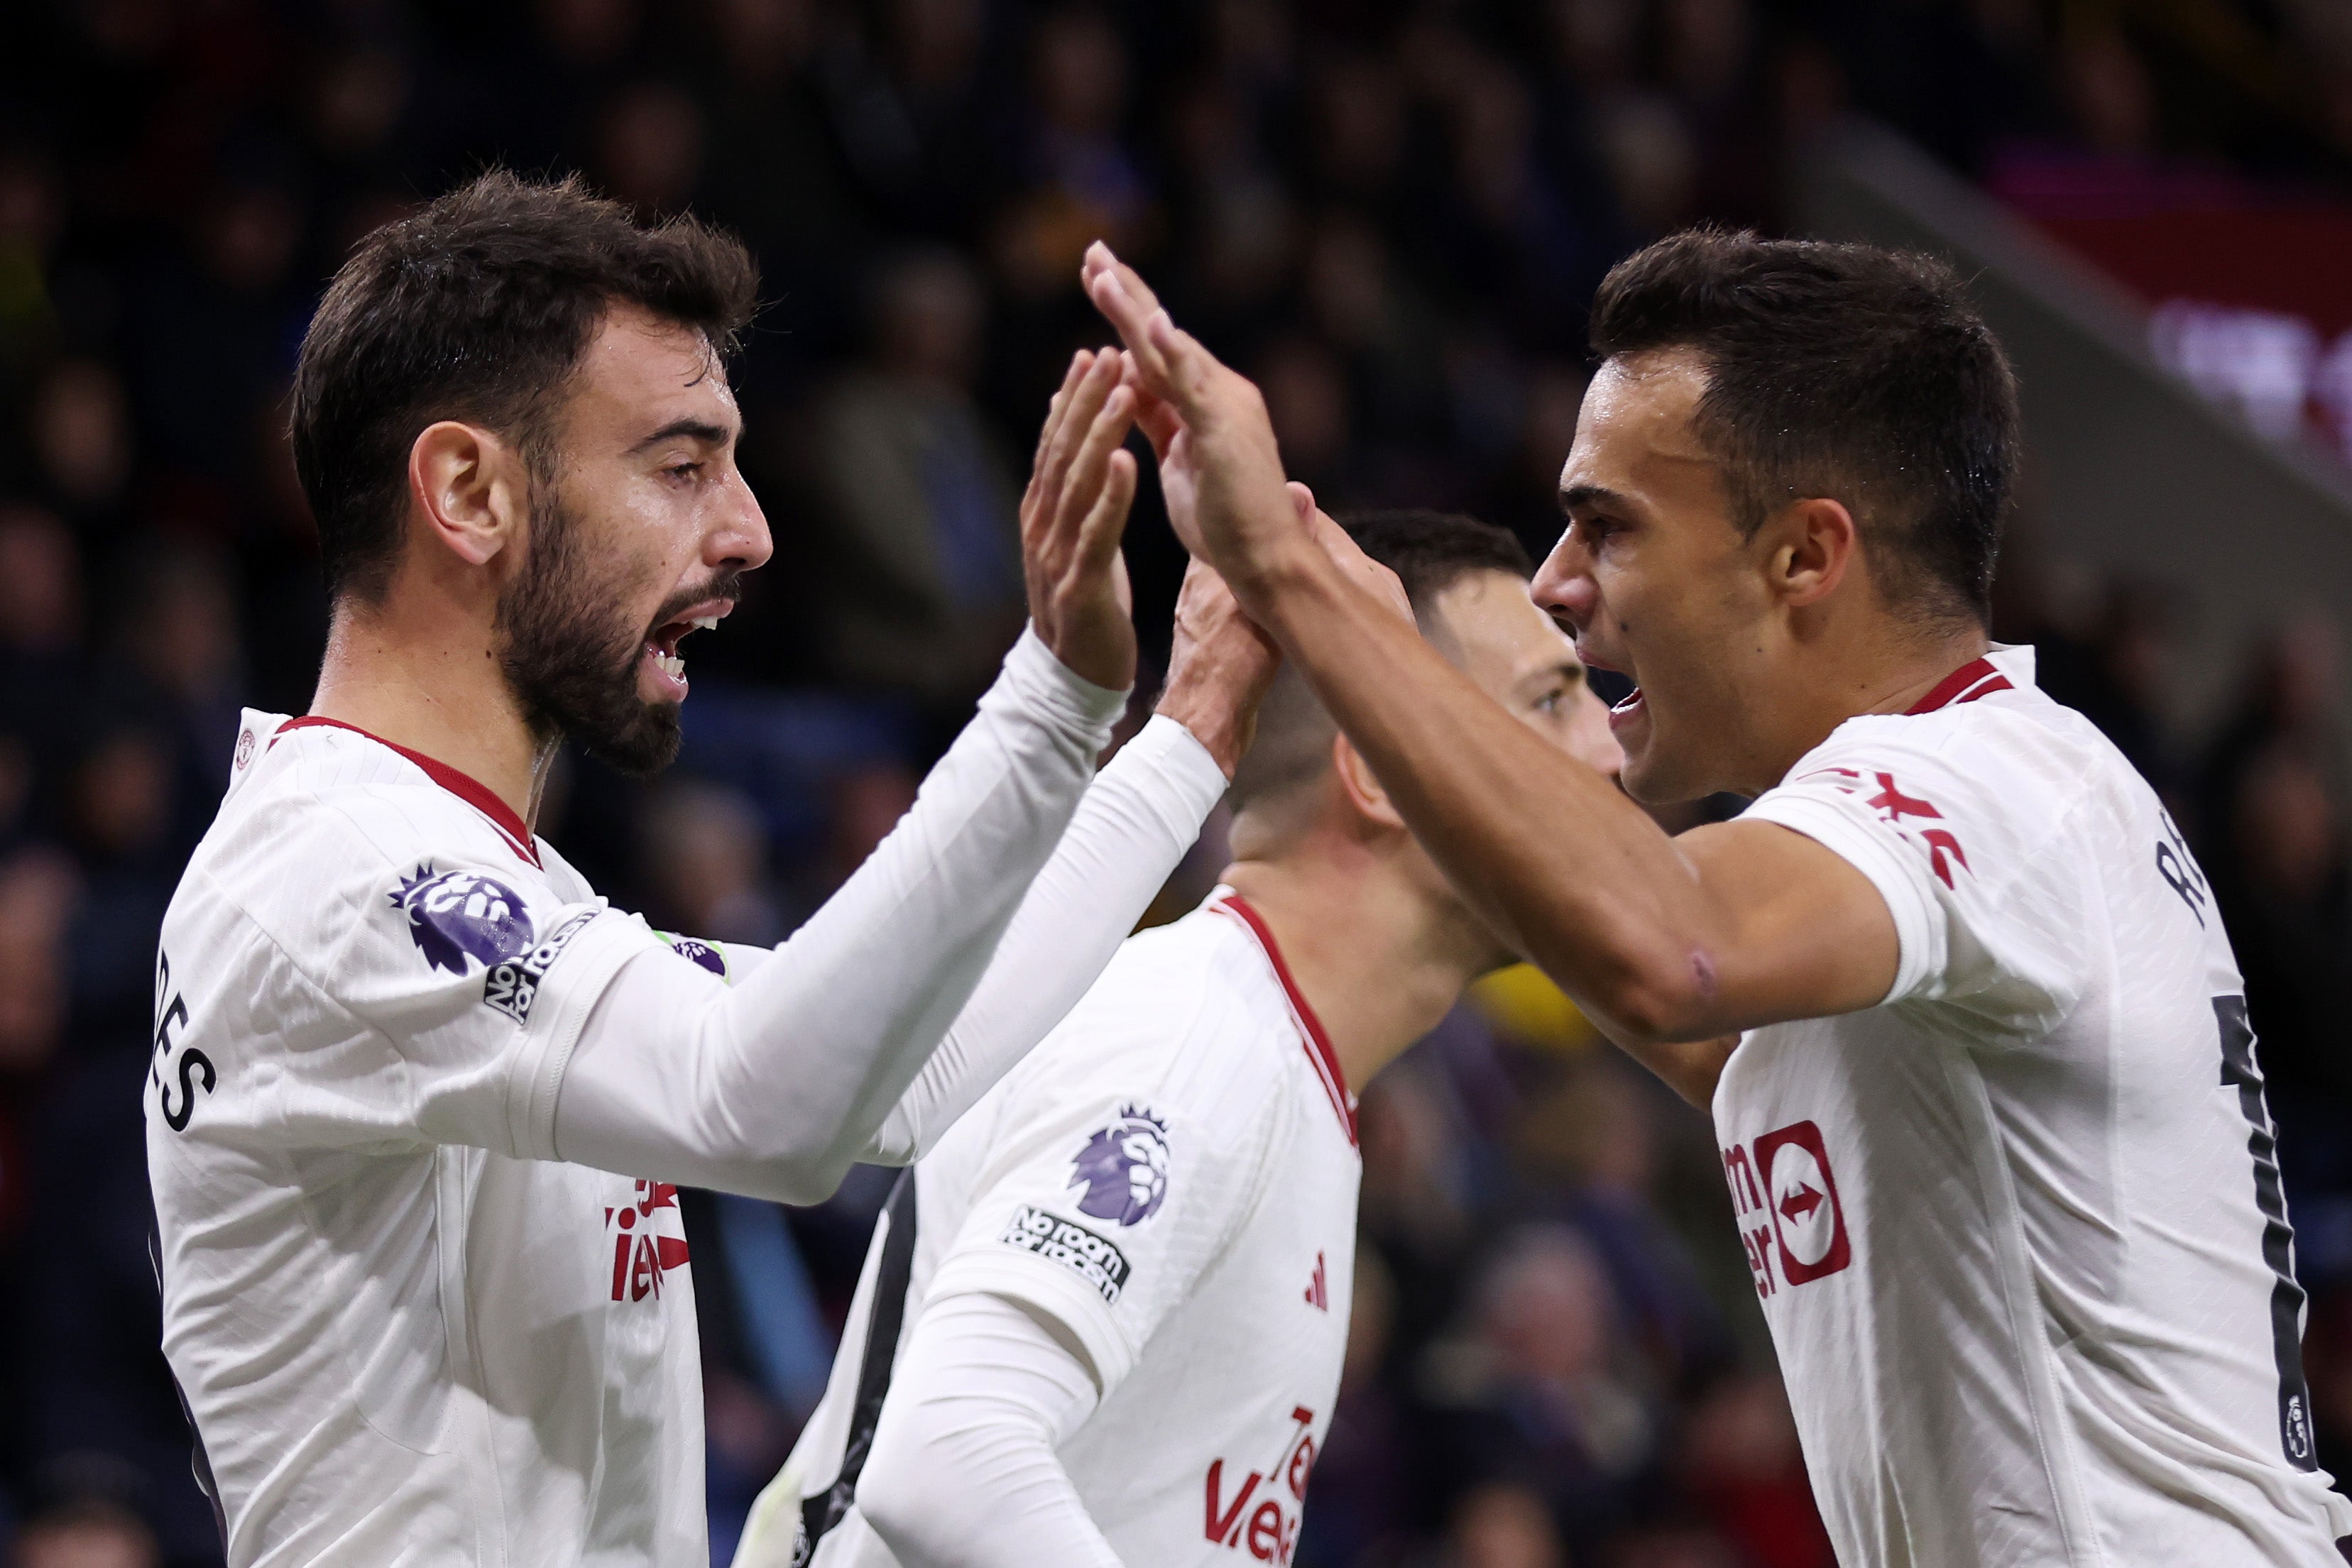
x=1065, y=1241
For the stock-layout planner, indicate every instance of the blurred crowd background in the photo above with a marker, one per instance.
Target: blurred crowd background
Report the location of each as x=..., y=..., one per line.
x=1392, y=213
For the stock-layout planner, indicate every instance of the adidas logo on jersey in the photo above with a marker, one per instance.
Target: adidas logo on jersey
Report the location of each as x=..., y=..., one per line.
x=1318, y=1290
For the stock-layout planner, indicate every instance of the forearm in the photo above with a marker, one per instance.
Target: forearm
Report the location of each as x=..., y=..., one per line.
x=964, y=1472
x=1136, y=822
x=773, y=1086
x=1551, y=853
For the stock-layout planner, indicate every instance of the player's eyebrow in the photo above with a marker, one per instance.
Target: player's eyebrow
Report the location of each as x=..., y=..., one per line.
x=693, y=429
x=1574, y=495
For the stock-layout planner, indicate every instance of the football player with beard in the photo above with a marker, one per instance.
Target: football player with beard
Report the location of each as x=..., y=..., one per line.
x=1102, y=1322
x=418, y=1094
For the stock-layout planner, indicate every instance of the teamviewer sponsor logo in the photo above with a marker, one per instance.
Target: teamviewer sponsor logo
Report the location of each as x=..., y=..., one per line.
x=512, y=983
x=1071, y=1244
x=1787, y=1199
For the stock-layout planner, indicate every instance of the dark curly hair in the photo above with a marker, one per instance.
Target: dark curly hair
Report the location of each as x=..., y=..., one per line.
x=478, y=307
x=1846, y=372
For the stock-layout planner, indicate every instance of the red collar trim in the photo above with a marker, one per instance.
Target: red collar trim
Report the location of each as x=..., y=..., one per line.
x=1317, y=1043
x=466, y=787
x=1972, y=680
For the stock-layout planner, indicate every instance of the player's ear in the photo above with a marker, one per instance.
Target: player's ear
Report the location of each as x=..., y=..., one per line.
x=1362, y=791
x=1808, y=547
x=471, y=488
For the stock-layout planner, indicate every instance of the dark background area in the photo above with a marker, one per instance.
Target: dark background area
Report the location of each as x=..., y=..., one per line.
x=1392, y=214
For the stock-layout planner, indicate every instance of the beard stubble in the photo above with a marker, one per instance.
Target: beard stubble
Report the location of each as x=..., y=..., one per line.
x=571, y=660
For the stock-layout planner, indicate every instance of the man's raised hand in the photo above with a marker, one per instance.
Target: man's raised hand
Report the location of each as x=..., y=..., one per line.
x=1219, y=466
x=1072, y=514
x=1219, y=667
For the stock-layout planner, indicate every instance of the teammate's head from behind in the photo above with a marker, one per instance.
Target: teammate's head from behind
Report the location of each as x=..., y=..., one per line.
x=512, y=409
x=1793, y=458
x=1303, y=796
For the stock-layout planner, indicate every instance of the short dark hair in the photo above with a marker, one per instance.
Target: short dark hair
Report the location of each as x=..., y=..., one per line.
x=478, y=307
x=1847, y=371
x=1430, y=552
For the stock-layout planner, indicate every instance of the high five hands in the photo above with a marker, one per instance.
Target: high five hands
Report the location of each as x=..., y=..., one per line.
x=1072, y=514
x=1220, y=469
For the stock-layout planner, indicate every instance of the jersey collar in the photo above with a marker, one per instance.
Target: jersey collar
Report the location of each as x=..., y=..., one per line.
x=1325, y=1061
x=466, y=787
x=2006, y=666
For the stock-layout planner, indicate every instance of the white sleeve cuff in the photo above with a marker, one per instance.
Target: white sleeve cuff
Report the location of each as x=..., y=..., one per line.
x=1177, y=777
x=1048, y=1287
x=1048, y=688
x=1849, y=832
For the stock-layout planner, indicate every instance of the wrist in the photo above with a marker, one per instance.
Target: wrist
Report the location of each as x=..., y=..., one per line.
x=1276, y=577
x=1217, y=721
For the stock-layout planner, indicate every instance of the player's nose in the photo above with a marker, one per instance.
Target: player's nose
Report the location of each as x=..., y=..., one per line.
x=1563, y=586
x=738, y=534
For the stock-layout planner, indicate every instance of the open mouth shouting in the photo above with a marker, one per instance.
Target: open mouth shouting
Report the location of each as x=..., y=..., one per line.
x=1627, y=709
x=661, y=668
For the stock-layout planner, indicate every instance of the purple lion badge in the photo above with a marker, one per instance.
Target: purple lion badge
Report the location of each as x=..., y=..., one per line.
x=457, y=914
x=1124, y=1168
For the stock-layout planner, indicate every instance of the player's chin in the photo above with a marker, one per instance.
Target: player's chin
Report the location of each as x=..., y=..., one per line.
x=1651, y=773
x=643, y=743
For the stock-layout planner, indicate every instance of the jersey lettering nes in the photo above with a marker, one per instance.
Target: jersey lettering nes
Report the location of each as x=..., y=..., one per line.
x=1171, y=1175
x=405, y=1333
x=2018, y=1229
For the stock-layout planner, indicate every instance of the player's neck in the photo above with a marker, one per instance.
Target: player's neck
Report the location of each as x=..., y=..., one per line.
x=1376, y=960
x=1888, y=673
x=439, y=690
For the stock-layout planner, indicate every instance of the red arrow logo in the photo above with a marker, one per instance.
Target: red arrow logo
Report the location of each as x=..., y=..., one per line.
x=1799, y=1205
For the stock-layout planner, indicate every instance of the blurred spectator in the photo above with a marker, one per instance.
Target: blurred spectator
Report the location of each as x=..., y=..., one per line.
x=1586, y=1155
x=86, y=1534
x=650, y=147
x=81, y=432
x=179, y=646
x=37, y=893
x=32, y=220
x=1499, y=1525
x=922, y=537
x=1082, y=183
x=1416, y=1204
x=707, y=864
x=1740, y=1463
x=42, y=668
x=1537, y=1385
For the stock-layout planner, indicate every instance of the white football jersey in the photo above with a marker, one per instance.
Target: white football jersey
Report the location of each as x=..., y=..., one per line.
x=405, y=1333
x=2018, y=1228
x=1171, y=1175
